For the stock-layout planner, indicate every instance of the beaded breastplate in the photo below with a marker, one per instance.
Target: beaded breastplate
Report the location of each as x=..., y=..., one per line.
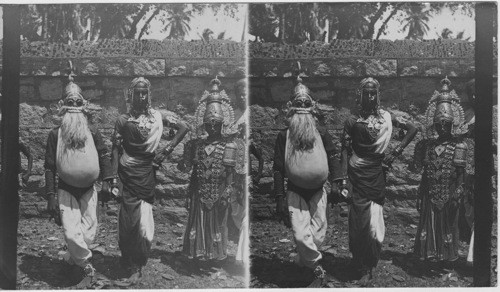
x=144, y=123
x=439, y=171
x=373, y=124
x=210, y=172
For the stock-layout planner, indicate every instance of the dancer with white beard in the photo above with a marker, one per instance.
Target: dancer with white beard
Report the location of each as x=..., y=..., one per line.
x=306, y=155
x=75, y=158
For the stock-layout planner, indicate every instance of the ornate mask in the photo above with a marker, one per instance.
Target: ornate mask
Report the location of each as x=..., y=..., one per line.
x=301, y=100
x=444, y=115
x=214, y=108
x=73, y=100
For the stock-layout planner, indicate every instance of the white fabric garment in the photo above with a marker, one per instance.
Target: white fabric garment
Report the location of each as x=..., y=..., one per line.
x=79, y=222
x=385, y=133
x=306, y=169
x=309, y=224
x=470, y=255
x=384, y=126
x=239, y=214
x=77, y=167
x=146, y=221
x=377, y=225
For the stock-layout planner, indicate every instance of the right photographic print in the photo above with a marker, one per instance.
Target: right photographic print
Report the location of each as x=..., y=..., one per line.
x=365, y=131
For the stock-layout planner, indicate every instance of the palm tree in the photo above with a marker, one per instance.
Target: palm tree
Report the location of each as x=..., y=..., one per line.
x=445, y=34
x=416, y=22
x=178, y=21
x=460, y=36
x=207, y=34
x=221, y=35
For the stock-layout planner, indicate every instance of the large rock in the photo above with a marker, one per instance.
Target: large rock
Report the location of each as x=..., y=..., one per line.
x=263, y=116
x=171, y=190
x=31, y=115
x=149, y=67
x=174, y=214
x=384, y=68
x=87, y=67
x=116, y=67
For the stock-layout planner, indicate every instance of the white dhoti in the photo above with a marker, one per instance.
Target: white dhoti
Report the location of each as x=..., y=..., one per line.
x=79, y=222
x=240, y=219
x=309, y=224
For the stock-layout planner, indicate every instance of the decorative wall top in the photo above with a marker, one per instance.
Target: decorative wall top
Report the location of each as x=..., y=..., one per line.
x=170, y=49
x=366, y=49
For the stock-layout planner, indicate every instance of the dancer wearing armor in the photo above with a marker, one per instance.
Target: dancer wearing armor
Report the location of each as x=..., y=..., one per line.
x=213, y=158
x=443, y=156
x=75, y=158
x=364, y=141
x=306, y=155
x=136, y=138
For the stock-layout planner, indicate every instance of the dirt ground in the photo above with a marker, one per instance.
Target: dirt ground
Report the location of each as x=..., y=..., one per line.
x=41, y=245
x=272, y=250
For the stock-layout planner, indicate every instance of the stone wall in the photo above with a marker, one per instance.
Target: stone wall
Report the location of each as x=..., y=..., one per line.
x=179, y=73
x=408, y=71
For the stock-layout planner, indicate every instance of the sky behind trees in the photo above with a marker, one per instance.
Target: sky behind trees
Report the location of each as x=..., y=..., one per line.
x=324, y=22
x=154, y=22
x=132, y=20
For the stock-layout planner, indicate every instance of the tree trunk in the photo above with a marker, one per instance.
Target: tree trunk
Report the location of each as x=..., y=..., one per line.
x=243, y=34
x=384, y=25
x=316, y=29
x=9, y=198
x=135, y=22
x=282, y=26
x=44, y=25
x=375, y=18
x=77, y=29
x=146, y=24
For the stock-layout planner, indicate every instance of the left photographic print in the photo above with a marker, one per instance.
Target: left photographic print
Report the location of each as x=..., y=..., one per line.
x=130, y=171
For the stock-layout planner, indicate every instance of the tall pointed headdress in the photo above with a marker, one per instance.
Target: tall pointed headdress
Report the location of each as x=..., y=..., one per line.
x=73, y=100
x=444, y=105
x=214, y=107
x=301, y=100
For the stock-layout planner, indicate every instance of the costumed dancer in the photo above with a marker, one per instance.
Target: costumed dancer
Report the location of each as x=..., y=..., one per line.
x=443, y=156
x=306, y=155
x=136, y=138
x=75, y=158
x=364, y=141
x=213, y=159
x=238, y=201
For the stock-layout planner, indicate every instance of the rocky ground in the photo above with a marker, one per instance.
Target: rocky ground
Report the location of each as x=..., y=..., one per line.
x=272, y=246
x=41, y=245
x=272, y=250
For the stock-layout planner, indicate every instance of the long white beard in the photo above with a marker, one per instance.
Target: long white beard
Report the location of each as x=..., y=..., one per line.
x=302, y=131
x=74, y=129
